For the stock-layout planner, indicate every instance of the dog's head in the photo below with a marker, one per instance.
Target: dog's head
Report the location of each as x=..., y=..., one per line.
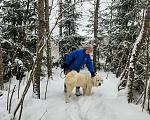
x=97, y=80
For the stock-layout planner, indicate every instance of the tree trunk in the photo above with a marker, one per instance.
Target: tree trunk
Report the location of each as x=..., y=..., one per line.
x=136, y=50
x=98, y=57
x=49, y=67
x=95, y=34
x=147, y=76
x=1, y=73
x=60, y=25
x=36, y=82
x=148, y=108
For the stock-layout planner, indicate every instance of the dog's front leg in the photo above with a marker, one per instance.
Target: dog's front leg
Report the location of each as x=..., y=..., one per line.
x=84, y=91
x=89, y=90
x=67, y=101
x=69, y=90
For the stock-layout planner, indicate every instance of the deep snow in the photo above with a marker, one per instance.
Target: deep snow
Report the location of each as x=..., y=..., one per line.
x=105, y=103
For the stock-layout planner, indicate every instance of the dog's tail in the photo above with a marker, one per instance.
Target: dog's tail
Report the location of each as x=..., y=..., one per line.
x=71, y=77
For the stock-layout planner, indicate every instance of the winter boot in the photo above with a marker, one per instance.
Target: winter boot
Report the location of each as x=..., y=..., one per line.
x=65, y=88
x=78, y=93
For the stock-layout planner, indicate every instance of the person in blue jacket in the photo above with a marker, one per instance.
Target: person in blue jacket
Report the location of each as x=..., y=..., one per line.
x=76, y=59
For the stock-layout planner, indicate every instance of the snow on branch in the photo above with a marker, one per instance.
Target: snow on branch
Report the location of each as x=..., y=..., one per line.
x=141, y=37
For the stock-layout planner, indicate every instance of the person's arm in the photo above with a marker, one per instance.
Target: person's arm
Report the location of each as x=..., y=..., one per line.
x=90, y=66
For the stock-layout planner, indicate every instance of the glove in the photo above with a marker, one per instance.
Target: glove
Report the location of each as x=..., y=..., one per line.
x=65, y=65
x=65, y=68
x=92, y=74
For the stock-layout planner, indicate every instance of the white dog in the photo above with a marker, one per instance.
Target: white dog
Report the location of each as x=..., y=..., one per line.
x=83, y=80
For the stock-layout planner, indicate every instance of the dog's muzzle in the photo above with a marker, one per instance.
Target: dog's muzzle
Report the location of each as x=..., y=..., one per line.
x=99, y=84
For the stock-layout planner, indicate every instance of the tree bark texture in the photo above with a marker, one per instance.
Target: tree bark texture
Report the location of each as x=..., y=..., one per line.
x=60, y=26
x=1, y=73
x=95, y=35
x=36, y=83
x=147, y=76
x=49, y=68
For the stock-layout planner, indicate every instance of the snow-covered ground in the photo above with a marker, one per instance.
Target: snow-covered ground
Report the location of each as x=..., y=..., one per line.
x=105, y=103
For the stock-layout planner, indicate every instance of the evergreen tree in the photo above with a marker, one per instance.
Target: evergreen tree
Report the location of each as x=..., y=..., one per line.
x=124, y=29
x=123, y=17
x=100, y=35
x=70, y=39
x=121, y=23
x=18, y=41
x=135, y=59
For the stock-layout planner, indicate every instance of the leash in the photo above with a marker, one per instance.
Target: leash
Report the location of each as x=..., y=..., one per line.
x=61, y=74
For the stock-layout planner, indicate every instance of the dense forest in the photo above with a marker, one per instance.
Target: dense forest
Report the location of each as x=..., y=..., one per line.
x=120, y=35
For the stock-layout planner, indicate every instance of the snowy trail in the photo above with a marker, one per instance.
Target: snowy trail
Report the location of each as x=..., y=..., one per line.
x=105, y=103
x=80, y=107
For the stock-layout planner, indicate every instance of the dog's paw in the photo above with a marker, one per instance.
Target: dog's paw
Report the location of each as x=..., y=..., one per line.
x=67, y=101
x=88, y=94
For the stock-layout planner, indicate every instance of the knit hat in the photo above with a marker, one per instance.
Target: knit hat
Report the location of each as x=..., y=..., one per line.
x=89, y=47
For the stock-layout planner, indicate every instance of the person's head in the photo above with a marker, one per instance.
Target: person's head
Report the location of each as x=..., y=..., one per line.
x=88, y=49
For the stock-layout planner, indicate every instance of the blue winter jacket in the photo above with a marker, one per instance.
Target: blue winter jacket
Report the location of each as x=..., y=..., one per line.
x=78, y=58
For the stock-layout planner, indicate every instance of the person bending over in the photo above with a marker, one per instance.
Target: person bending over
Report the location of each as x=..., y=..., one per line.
x=75, y=60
